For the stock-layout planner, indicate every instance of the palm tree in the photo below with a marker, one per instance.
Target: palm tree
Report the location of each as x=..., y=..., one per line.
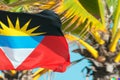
x=94, y=26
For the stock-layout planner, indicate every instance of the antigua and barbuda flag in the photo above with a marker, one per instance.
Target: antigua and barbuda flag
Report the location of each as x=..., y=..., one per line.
x=30, y=41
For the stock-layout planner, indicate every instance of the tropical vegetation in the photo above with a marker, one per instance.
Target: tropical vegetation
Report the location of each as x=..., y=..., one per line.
x=94, y=25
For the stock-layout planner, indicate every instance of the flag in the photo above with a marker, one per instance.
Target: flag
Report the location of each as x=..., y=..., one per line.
x=30, y=41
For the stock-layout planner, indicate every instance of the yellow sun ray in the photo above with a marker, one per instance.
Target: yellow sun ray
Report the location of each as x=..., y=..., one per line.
x=33, y=29
x=10, y=23
x=5, y=27
x=34, y=34
x=17, y=26
x=24, y=28
x=17, y=30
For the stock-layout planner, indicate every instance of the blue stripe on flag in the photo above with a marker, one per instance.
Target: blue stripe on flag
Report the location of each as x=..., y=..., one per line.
x=20, y=41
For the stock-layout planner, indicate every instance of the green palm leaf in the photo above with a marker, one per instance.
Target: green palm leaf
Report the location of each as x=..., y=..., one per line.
x=116, y=20
x=102, y=11
x=9, y=1
x=76, y=19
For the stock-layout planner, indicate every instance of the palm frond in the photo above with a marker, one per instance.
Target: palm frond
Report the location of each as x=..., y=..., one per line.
x=74, y=17
x=102, y=11
x=112, y=4
x=116, y=20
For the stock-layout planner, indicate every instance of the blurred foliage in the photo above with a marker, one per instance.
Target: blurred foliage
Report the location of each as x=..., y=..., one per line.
x=87, y=19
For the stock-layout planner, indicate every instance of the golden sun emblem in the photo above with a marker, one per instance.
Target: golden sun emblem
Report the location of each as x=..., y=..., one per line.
x=17, y=30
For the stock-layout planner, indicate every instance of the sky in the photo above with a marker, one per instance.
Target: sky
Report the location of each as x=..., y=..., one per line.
x=74, y=72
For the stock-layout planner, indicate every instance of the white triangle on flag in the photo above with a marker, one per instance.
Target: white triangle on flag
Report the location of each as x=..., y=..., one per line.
x=16, y=56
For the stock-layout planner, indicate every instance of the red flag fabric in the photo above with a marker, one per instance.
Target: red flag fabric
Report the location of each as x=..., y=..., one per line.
x=30, y=41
